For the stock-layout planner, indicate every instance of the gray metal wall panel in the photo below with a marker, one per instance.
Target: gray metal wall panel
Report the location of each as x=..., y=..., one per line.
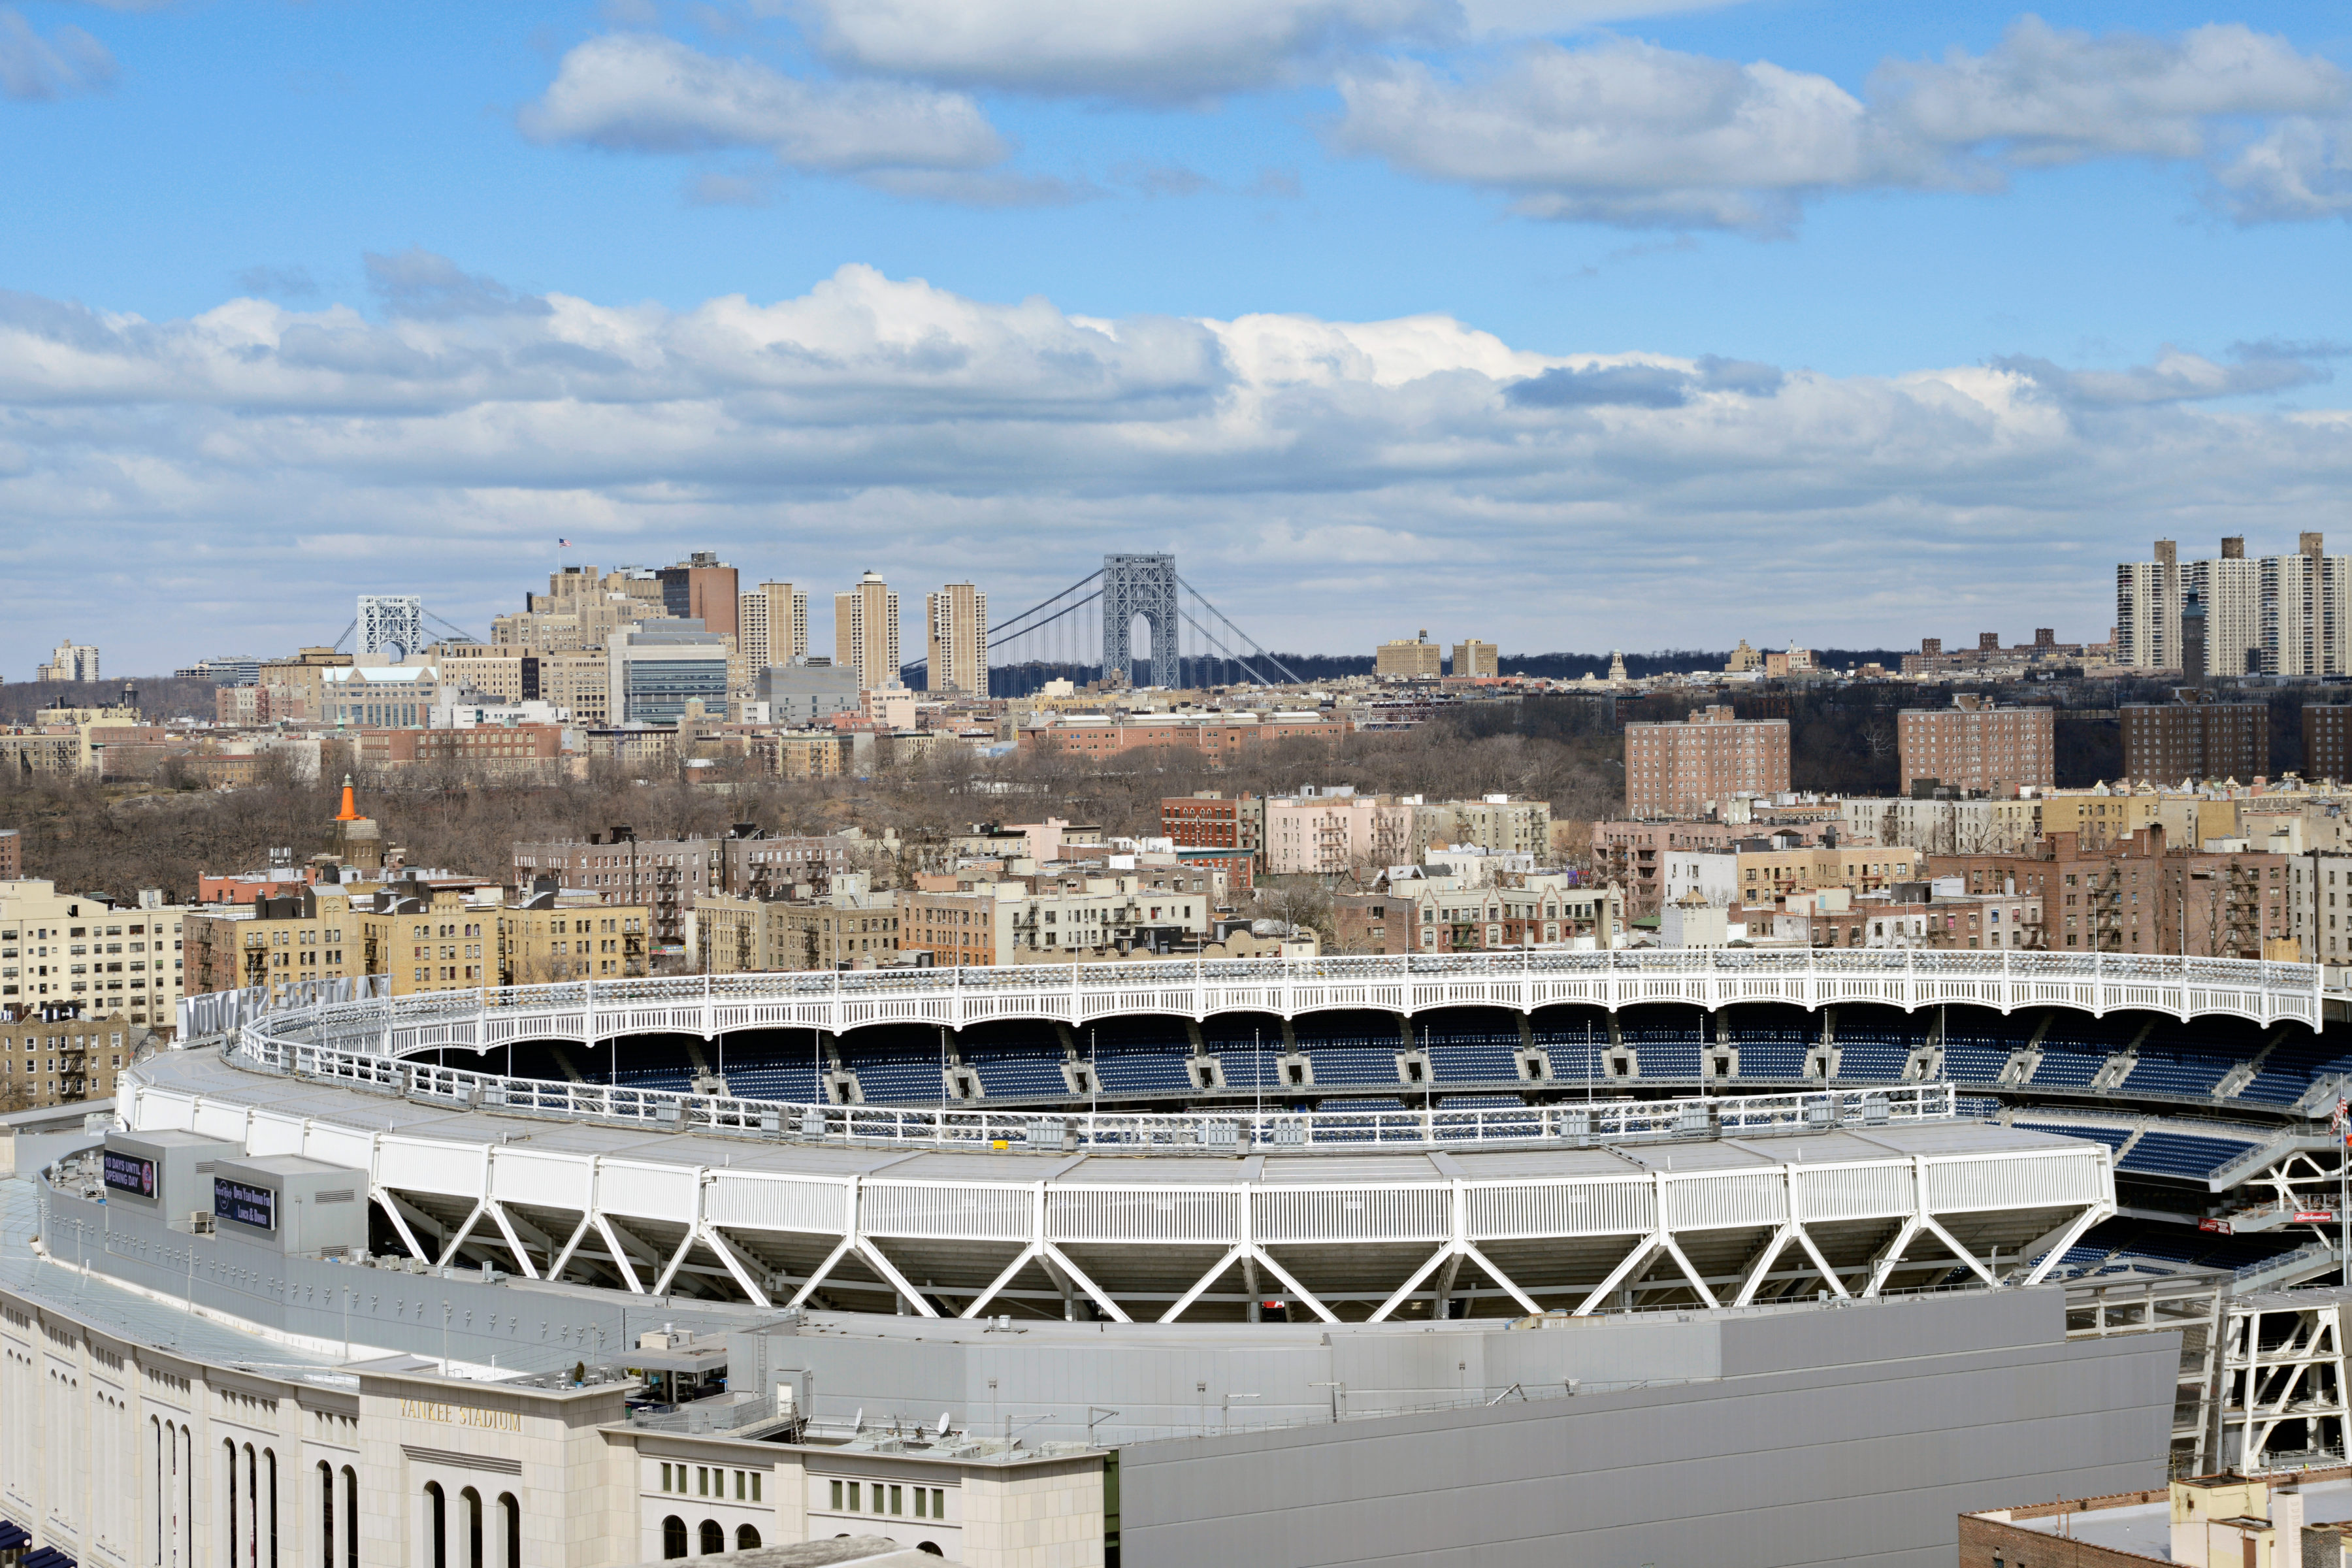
x=1785, y=1468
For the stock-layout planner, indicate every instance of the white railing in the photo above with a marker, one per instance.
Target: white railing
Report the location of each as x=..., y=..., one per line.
x=1210, y=1131
x=838, y=1002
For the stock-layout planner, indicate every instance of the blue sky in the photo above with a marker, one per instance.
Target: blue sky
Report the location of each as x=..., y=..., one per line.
x=1342, y=299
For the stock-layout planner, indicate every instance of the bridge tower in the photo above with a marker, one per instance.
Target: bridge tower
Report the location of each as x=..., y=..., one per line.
x=1143, y=585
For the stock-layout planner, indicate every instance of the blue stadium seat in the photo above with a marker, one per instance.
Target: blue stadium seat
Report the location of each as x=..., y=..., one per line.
x=2182, y=1155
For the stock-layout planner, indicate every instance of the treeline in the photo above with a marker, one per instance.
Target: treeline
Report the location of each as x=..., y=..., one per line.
x=1567, y=749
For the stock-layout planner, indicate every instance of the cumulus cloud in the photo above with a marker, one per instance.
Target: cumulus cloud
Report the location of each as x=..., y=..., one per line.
x=1626, y=132
x=2300, y=169
x=1299, y=464
x=633, y=92
x=1151, y=50
x=33, y=68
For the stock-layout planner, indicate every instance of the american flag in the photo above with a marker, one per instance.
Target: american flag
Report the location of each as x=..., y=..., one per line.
x=564, y=544
x=2343, y=1107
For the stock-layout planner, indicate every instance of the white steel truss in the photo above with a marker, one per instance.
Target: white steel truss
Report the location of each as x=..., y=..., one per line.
x=1853, y=1222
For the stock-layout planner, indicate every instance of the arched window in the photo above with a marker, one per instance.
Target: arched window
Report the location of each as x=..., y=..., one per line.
x=326, y=1515
x=510, y=1516
x=270, y=1466
x=251, y=1554
x=746, y=1538
x=714, y=1537
x=436, y=1523
x=350, y=1518
x=230, y=1449
x=673, y=1537
x=473, y=1501
x=155, y=1436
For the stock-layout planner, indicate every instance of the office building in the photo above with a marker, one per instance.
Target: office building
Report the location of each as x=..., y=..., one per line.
x=382, y=697
x=772, y=624
x=1683, y=770
x=71, y=661
x=700, y=588
x=656, y=668
x=2166, y=742
x=807, y=692
x=865, y=631
x=958, y=617
x=1419, y=659
x=1975, y=747
x=1475, y=657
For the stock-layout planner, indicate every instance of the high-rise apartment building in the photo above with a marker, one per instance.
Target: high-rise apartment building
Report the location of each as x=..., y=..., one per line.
x=2229, y=590
x=1973, y=745
x=2166, y=742
x=2283, y=615
x=700, y=588
x=2307, y=618
x=1402, y=660
x=1471, y=656
x=2147, y=610
x=1681, y=770
x=772, y=624
x=958, y=615
x=865, y=631
x=72, y=661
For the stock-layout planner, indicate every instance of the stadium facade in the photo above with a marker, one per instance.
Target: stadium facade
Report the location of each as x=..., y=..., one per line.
x=1658, y=1258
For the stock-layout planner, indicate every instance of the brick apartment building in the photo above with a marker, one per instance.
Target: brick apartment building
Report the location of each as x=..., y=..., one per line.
x=1973, y=745
x=1212, y=820
x=1682, y=770
x=2327, y=741
x=2168, y=741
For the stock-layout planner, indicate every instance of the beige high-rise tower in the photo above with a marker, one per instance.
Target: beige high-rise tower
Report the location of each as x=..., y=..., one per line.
x=958, y=615
x=865, y=632
x=773, y=625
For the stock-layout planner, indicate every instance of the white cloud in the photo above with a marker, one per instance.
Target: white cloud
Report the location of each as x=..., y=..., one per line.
x=1621, y=132
x=633, y=92
x=33, y=67
x=1304, y=468
x=1629, y=134
x=1163, y=52
x=2300, y=169
x=1158, y=50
